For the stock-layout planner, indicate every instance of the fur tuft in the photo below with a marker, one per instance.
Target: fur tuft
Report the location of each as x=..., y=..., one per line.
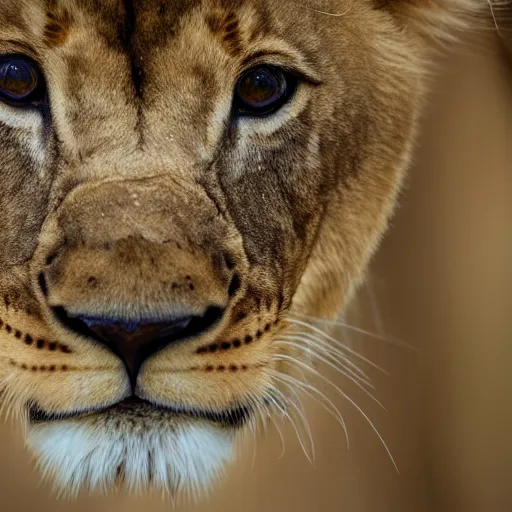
x=82, y=456
x=441, y=21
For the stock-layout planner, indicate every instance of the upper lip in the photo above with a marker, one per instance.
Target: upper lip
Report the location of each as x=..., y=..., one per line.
x=133, y=359
x=233, y=417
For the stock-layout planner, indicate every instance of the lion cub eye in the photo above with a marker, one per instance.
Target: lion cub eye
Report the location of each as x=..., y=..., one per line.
x=21, y=81
x=263, y=90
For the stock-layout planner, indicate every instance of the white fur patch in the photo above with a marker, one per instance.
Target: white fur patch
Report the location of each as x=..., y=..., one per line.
x=29, y=126
x=84, y=455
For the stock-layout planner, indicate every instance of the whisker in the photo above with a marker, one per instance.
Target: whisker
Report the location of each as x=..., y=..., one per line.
x=308, y=389
x=281, y=436
x=300, y=410
x=318, y=374
x=291, y=341
x=374, y=307
x=339, y=370
x=334, y=352
x=333, y=14
x=341, y=323
x=338, y=343
x=295, y=428
x=305, y=423
x=495, y=21
x=258, y=408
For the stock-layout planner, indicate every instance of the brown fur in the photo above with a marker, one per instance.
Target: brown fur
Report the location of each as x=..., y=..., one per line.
x=135, y=180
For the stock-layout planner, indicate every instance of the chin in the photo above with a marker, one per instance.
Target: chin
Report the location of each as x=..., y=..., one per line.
x=136, y=447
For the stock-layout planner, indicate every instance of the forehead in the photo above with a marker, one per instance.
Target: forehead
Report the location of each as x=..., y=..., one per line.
x=133, y=25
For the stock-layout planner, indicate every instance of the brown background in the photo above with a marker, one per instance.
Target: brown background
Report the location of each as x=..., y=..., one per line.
x=442, y=283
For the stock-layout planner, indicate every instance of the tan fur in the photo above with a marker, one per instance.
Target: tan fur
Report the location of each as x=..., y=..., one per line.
x=137, y=202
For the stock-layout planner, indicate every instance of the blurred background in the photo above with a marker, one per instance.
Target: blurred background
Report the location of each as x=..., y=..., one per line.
x=441, y=283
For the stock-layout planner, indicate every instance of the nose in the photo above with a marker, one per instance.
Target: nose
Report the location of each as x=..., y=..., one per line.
x=135, y=341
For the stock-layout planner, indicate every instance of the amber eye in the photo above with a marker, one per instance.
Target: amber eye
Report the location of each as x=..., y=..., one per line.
x=21, y=82
x=262, y=90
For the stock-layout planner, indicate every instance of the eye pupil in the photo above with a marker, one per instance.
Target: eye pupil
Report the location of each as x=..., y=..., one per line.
x=261, y=90
x=19, y=80
x=259, y=87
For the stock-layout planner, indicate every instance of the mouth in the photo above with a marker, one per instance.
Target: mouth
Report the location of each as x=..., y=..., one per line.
x=135, y=406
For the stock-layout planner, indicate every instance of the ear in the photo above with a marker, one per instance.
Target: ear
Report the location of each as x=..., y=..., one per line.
x=441, y=21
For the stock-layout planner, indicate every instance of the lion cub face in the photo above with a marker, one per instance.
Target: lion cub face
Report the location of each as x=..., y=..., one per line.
x=179, y=181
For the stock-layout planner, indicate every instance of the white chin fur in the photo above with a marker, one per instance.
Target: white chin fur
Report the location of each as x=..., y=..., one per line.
x=91, y=456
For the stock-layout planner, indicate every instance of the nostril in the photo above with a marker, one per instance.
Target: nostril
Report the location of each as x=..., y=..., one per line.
x=175, y=329
x=107, y=323
x=51, y=258
x=42, y=283
x=55, y=253
x=234, y=285
x=135, y=340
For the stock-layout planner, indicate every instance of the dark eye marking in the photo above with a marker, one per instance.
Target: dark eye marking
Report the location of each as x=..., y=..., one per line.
x=56, y=28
